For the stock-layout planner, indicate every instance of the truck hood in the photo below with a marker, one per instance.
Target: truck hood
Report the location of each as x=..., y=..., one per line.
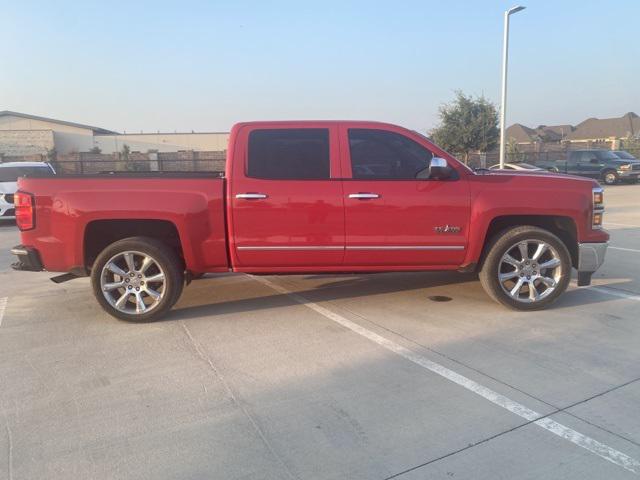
x=535, y=175
x=622, y=161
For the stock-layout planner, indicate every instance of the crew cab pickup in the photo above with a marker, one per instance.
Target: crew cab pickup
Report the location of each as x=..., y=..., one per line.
x=313, y=197
x=604, y=165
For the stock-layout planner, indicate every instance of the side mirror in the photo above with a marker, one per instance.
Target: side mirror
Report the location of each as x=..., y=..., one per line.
x=439, y=169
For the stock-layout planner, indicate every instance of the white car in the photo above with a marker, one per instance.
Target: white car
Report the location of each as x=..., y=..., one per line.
x=9, y=173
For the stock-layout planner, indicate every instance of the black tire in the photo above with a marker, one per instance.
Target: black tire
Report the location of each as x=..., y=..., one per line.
x=610, y=177
x=165, y=258
x=502, y=243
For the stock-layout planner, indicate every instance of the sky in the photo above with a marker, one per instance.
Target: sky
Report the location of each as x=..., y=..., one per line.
x=203, y=65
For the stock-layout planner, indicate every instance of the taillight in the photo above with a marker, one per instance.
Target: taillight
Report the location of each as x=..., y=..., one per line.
x=25, y=212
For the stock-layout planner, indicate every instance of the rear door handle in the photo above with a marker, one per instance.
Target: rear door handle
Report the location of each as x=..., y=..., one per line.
x=363, y=195
x=252, y=196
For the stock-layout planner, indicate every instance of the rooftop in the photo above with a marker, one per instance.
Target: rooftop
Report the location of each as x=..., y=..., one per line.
x=6, y=113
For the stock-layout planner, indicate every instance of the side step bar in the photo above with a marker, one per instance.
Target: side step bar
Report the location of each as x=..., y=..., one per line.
x=65, y=277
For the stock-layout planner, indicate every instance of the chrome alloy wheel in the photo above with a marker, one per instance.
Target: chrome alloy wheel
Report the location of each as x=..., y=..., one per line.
x=610, y=178
x=530, y=271
x=132, y=282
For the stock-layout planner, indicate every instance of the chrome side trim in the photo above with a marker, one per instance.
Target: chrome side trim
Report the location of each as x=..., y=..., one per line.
x=19, y=251
x=287, y=247
x=405, y=247
x=354, y=247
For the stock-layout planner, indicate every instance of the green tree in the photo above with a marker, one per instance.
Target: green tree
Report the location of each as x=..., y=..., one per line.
x=95, y=150
x=632, y=142
x=512, y=149
x=468, y=124
x=52, y=155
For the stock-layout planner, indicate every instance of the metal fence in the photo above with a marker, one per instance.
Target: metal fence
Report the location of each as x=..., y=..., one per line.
x=85, y=167
x=86, y=163
x=486, y=160
x=185, y=161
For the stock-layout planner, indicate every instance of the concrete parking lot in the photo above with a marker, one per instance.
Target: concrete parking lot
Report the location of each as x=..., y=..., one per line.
x=326, y=377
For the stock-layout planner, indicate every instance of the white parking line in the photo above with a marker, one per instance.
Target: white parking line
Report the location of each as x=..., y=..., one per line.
x=3, y=305
x=604, y=451
x=621, y=224
x=614, y=292
x=624, y=249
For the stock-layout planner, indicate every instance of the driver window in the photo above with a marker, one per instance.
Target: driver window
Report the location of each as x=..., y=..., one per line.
x=384, y=155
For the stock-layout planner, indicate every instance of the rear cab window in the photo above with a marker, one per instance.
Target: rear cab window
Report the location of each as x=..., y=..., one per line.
x=289, y=154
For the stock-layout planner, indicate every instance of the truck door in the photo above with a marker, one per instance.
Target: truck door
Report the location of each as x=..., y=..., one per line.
x=589, y=165
x=285, y=197
x=393, y=218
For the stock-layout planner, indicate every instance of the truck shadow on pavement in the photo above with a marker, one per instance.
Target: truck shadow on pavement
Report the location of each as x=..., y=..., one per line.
x=245, y=295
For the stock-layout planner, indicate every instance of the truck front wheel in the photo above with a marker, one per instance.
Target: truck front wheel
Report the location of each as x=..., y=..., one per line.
x=610, y=177
x=137, y=279
x=526, y=268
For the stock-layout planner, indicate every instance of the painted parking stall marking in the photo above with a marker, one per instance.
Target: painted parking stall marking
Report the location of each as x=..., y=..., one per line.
x=600, y=449
x=615, y=292
x=624, y=249
x=621, y=224
x=3, y=306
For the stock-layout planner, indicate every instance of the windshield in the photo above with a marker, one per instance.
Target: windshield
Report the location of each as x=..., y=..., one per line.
x=624, y=155
x=11, y=174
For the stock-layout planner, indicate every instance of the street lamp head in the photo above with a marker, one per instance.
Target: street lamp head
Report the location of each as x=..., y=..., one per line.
x=513, y=10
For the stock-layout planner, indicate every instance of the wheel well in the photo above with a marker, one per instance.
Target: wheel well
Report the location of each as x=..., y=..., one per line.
x=563, y=227
x=101, y=233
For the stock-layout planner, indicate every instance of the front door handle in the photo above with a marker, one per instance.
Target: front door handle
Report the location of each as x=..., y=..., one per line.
x=251, y=196
x=363, y=195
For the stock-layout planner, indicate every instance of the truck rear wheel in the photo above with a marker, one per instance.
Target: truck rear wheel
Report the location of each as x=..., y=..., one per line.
x=137, y=279
x=526, y=268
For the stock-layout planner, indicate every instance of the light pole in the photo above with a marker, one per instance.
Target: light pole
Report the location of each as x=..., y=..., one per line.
x=505, y=54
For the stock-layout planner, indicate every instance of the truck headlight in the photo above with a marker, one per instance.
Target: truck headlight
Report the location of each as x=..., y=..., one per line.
x=598, y=198
x=625, y=167
x=597, y=208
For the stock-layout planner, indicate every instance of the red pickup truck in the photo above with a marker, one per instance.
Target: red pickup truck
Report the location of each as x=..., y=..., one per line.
x=320, y=196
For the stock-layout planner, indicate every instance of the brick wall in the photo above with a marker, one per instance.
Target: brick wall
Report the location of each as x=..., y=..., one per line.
x=25, y=142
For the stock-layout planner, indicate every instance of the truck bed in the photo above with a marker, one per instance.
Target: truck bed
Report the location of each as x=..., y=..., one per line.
x=69, y=208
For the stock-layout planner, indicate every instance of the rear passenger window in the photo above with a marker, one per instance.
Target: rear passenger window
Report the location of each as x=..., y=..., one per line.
x=289, y=154
x=384, y=155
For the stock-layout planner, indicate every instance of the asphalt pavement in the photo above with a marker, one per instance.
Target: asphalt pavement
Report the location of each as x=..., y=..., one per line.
x=326, y=377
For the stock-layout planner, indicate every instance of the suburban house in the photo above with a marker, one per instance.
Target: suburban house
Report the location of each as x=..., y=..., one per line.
x=593, y=132
x=23, y=135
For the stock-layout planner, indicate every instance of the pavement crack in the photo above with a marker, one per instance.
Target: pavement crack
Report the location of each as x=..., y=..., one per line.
x=9, y=450
x=460, y=450
x=254, y=423
x=548, y=415
x=513, y=387
x=517, y=427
